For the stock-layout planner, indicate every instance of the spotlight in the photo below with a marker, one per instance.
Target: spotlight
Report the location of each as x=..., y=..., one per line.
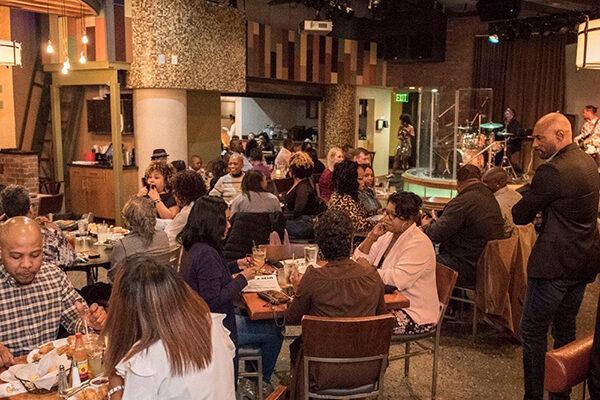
x=494, y=39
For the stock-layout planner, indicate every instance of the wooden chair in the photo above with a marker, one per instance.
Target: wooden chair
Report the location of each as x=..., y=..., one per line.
x=50, y=203
x=445, y=279
x=170, y=258
x=335, y=347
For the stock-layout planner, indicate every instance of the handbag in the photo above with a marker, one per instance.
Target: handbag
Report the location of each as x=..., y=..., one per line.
x=274, y=297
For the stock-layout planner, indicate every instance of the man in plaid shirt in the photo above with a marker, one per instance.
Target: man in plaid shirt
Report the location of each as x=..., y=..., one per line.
x=35, y=298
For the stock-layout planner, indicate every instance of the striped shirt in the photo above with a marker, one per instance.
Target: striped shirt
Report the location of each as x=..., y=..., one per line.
x=30, y=315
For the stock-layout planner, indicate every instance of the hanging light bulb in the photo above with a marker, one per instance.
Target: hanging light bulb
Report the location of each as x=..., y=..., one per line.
x=84, y=39
x=64, y=71
x=82, y=59
x=49, y=48
x=67, y=64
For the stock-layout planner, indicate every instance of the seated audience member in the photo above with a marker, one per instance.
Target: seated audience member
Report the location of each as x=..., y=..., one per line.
x=179, y=165
x=341, y=288
x=348, y=150
x=282, y=161
x=157, y=187
x=264, y=141
x=205, y=269
x=345, y=195
x=237, y=147
x=366, y=194
x=230, y=185
x=361, y=156
x=140, y=217
x=257, y=159
x=496, y=179
x=216, y=169
x=319, y=166
x=196, y=163
x=187, y=187
x=468, y=222
x=404, y=257
x=254, y=197
x=37, y=298
x=301, y=200
x=250, y=144
x=334, y=156
x=174, y=347
x=15, y=202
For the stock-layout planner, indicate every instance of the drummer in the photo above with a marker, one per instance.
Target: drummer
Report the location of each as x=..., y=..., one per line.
x=511, y=125
x=36, y=298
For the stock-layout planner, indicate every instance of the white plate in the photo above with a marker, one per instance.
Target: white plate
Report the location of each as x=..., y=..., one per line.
x=57, y=343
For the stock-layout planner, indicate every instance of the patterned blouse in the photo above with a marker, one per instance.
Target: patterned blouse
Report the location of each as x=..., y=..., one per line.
x=355, y=210
x=57, y=250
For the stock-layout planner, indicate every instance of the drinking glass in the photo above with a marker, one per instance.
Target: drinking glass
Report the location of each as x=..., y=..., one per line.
x=259, y=255
x=95, y=352
x=103, y=233
x=310, y=254
x=83, y=226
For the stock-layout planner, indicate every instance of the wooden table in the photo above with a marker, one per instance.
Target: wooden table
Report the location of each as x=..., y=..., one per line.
x=259, y=309
x=85, y=246
x=28, y=396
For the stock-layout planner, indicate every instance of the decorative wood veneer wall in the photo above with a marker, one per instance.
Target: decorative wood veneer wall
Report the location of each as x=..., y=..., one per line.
x=209, y=42
x=286, y=54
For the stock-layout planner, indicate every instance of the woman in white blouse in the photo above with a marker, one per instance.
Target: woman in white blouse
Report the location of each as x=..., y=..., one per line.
x=405, y=258
x=163, y=342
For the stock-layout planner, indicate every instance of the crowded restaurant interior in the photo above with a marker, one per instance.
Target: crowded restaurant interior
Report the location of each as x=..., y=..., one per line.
x=299, y=199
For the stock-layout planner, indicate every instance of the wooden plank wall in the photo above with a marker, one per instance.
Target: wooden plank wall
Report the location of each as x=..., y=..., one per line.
x=284, y=54
x=96, y=30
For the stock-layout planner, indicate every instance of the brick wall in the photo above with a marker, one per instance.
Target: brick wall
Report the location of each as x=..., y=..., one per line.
x=20, y=169
x=455, y=72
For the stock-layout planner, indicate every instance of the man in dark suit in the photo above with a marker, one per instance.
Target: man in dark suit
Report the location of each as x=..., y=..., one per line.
x=469, y=221
x=565, y=257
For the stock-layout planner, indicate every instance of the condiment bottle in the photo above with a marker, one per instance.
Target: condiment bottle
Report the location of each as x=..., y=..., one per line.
x=80, y=358
x=62, y=380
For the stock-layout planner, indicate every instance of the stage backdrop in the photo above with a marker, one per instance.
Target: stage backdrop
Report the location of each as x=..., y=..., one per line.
x=526, y=75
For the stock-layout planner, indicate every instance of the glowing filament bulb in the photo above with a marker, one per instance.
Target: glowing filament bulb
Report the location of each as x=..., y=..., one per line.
x=67, y=64
x=82, y=59
x=84, y=39
x=49, y=48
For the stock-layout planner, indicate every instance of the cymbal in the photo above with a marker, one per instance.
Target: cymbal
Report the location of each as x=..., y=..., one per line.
x=464, y=128
x=491, y=125
x=504, y=134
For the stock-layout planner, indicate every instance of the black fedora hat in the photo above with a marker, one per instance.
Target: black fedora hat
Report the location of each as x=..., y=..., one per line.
x=158, y=153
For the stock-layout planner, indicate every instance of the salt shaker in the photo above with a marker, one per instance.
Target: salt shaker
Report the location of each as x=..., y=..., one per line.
x=62, y=380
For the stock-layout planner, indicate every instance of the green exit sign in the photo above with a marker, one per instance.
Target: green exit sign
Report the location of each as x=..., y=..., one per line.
x=401, y=97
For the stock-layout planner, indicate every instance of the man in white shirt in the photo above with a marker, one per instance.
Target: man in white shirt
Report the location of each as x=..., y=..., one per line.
x=590, y=131
x=230, y=185
x=282, y=161
x=496, y=179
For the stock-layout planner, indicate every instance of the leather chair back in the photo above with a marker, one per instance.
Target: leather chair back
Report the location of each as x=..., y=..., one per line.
x=569, y=365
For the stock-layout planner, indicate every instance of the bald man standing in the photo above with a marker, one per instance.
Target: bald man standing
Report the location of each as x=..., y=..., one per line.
x=35, y=298
x=565, y=257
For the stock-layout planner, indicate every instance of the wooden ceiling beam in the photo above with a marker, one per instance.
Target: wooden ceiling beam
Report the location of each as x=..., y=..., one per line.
x=55, y=7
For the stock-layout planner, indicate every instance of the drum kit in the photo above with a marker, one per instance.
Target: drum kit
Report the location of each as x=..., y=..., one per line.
x=475, y=146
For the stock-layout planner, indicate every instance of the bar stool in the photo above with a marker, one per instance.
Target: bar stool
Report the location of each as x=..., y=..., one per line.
x=251, y=354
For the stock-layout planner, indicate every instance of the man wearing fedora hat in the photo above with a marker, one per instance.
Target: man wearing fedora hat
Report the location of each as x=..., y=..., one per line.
x=159, y=155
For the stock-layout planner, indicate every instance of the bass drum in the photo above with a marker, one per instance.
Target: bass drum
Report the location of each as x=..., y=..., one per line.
x=470, y=157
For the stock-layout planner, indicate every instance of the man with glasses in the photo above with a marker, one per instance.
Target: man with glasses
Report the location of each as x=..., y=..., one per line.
x=468, y=222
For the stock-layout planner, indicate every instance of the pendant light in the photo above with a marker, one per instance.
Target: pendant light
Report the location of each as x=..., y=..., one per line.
x=49, y=48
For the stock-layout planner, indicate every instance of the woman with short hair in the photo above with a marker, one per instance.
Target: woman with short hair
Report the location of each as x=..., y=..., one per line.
x=140, y=216
x=157, y=186
x=345, y=195
x=404, y=257
x=334, y=156
x=163, y=342
x=187, y=185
